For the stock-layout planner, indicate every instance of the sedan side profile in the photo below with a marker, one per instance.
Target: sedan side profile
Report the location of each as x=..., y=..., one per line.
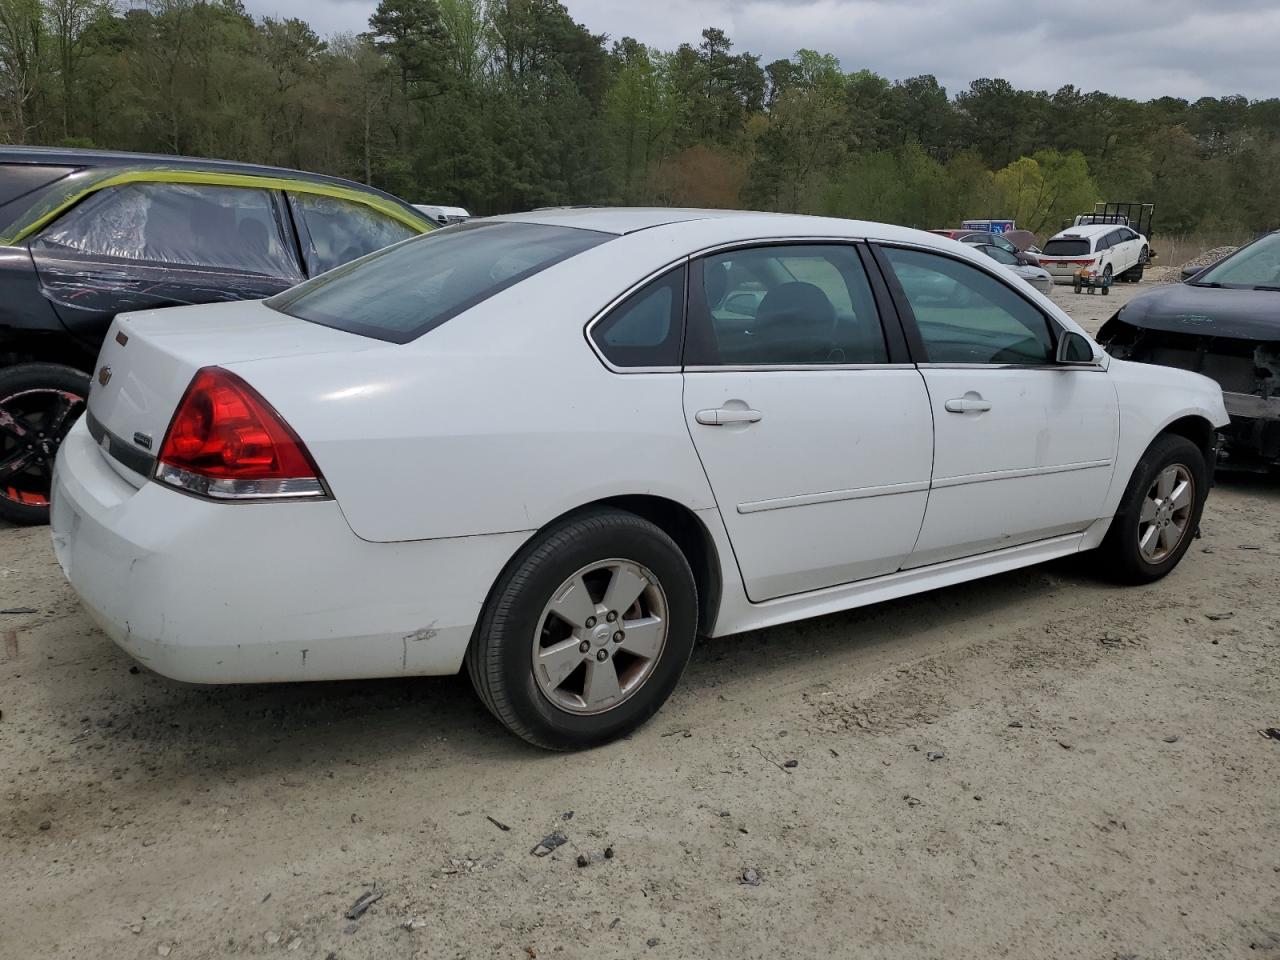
x=556, y=447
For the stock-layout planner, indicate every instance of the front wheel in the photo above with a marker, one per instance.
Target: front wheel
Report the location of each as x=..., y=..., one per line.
x=586, y=632
x=39, y=402
x=1160, y=512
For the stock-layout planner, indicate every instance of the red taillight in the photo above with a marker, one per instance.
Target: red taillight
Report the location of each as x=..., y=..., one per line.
x=226, y=442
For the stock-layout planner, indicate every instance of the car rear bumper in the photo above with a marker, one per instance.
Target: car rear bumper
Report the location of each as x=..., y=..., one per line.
x=245, y=593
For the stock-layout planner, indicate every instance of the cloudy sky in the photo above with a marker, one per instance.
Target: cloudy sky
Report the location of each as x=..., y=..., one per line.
x=1137, y=48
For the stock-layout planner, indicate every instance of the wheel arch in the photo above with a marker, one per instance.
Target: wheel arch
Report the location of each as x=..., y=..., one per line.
x=674, y=519
x=25, y=346
x=1195, y=428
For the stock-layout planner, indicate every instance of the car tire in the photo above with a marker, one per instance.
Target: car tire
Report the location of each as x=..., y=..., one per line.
x=542, y=666
x=1125, y=558
x=34, y=396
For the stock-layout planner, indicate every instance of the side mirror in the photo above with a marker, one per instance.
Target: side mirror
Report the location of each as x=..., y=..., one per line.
x=1189, y=272
x=1075, y=350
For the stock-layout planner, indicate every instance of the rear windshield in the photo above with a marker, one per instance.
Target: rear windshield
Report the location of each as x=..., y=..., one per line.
x=1066, y=248
x=401, y=292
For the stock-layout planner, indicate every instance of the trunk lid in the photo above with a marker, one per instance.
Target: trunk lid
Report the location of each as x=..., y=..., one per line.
x=149, y=358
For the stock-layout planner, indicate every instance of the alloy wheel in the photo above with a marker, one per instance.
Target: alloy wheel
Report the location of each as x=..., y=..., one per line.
x=33, y=424
x=600, y=636
x=1166, y=513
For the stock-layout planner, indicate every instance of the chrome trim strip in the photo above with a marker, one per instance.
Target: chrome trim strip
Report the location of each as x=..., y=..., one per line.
x=1078, y=367
x=797, y=367
x=834, y=496
x=1018, y=473
x=119, y=449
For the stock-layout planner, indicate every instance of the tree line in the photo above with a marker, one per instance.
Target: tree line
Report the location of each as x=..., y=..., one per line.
x=501, y=105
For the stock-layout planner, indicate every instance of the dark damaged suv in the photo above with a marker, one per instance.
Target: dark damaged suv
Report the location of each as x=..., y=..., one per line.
x=1222, y=321
x=86, y=234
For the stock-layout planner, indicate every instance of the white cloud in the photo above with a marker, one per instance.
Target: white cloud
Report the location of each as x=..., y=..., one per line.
x=1142, y=49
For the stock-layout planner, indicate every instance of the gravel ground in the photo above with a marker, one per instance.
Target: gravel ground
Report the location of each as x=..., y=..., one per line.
x=1036, y=765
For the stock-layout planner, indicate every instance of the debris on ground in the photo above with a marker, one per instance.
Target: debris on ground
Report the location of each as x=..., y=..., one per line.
x=683, y=733
x=584, y=860
x=1172, y=738
x=1064, y=745
x=935, y=755
x=1249, y=546
x=1016, y=724
x=16, y=610
x=293, y=944
x=363, y=903
x=164, y=949
x=414, y=923
x=614, y=925
x=652, y=942
x=46, y=825
x=750, y=877
x=608, y=853
x=1271, y=733
x=549, y=843
x=791, y=764
x=567, y=815
x=912, y=801
x=497, y=823
x=271, y=937
x=1220, y=616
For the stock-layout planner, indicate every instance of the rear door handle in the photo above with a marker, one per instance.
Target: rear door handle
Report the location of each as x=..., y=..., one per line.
x=722, y=415
x=967, y=405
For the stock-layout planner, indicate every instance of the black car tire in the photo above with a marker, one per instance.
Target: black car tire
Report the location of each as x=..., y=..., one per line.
x=1120, y=553
x=500, y=659
x=24, y=496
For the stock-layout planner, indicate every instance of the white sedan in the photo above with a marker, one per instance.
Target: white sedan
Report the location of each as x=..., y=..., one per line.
x=558, y=446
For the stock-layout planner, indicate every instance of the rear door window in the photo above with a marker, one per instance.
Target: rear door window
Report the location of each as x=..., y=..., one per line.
x=336, y=231
x=401, y=292
x=784, y=305
x=188, y=225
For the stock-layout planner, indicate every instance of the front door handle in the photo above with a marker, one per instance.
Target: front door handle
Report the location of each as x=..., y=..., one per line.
x=722, y=415
x=967, y=405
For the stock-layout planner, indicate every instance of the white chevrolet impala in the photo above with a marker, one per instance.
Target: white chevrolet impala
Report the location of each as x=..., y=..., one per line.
x=556, y=447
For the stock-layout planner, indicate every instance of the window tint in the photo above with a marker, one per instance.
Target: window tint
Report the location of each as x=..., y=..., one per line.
x=188, y=224
x=401, y=292
x=645, y=329
x=1067, y=247
x=967, y=316
x=784, y=305
x=338, y=231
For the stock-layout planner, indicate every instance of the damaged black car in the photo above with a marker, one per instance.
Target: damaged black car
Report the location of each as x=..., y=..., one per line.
x=1222, y=321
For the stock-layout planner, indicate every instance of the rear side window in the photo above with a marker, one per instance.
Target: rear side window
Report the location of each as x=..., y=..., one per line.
x=401, y=292
x=1069, y=247
x=338, y=231
x=645, y=329
x=233, y=228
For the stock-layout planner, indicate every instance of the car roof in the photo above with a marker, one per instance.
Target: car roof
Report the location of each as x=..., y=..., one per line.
x=81, y=158
x=733, y=225
x=1087, y=230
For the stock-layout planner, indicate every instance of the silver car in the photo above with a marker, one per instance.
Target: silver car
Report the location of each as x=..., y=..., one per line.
x=1038, y=277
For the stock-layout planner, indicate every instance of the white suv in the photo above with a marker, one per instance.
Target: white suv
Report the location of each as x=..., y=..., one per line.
x=1096, y=255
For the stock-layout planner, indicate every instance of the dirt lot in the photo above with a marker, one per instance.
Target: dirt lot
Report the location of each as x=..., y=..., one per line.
x=1038, y=765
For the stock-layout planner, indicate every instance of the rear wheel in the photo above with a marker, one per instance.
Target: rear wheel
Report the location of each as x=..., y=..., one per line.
x=1160, y=512
x=587, y=631
x=38, y=404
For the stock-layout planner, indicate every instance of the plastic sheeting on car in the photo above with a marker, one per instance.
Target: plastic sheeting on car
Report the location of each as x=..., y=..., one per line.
x=341, y=231
x=199, y=225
